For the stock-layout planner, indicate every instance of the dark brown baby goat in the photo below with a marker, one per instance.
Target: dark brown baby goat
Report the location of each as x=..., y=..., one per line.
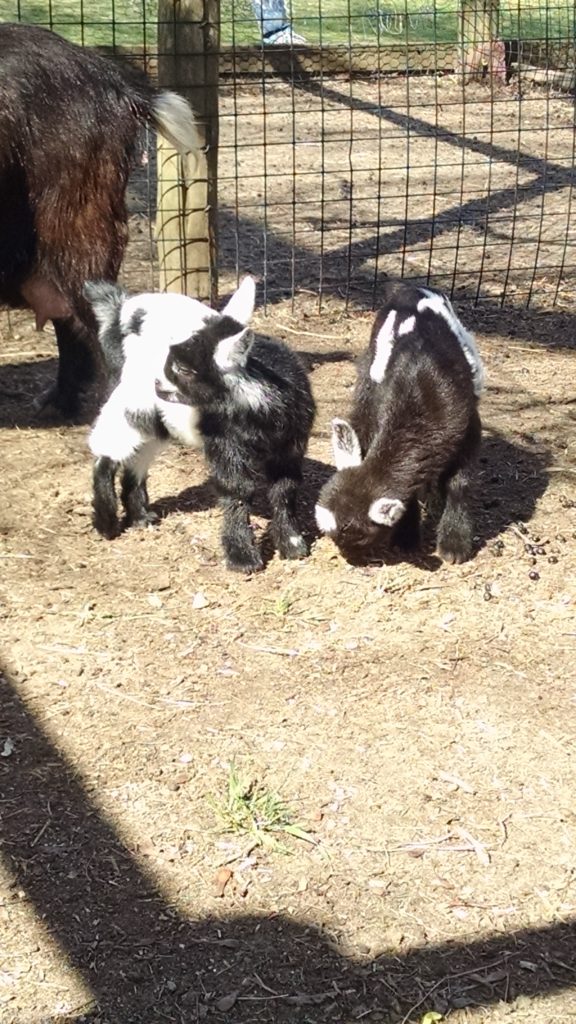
x=414, y=428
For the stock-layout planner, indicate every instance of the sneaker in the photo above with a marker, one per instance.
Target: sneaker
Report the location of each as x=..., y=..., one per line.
x=284, y=37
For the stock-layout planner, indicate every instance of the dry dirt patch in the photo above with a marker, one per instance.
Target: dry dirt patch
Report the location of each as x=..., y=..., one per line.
x=419, y=719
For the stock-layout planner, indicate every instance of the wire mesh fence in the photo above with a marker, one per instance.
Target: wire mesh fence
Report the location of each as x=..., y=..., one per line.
x=359, y=138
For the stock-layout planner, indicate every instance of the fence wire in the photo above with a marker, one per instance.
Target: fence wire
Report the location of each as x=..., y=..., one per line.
x=405, y=138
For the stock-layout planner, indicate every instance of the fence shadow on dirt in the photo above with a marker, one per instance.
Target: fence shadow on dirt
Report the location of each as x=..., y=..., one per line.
x=548, y=176
x=143, y=960
x=553, y=329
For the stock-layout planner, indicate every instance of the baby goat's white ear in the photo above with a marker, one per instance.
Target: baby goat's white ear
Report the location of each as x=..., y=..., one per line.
x=345, y=445
x=241, y=306
x=232, y=353
x=325, y=519
x=386, y=511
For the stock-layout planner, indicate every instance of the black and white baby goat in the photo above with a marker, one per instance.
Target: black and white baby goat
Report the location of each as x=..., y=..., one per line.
x=414, y=429
x=180, y=370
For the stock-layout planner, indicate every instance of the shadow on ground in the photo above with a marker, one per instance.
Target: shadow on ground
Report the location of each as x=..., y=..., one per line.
x=142, y=960
x=201, y=497
x=22, y=386
x=510, y=480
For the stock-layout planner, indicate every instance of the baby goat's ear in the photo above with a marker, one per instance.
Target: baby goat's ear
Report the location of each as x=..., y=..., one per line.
x=241, y=306
x=105, y=299
x=386, y=511
x=345, y=445
x=232, y=353
x=325, y=519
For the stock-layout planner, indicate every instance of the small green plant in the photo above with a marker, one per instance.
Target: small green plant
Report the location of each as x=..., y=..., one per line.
x=249, y=808
x=283, y=604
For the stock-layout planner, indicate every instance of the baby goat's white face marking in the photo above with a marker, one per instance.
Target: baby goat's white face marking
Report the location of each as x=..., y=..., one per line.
x=167, y=320
x=386, y=511
x=345, y=445
x=441, y=305
x=406, y=326
x=384, y=342
x=325, y=519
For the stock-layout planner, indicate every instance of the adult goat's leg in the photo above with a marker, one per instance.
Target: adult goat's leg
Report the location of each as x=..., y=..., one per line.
x=76, y=366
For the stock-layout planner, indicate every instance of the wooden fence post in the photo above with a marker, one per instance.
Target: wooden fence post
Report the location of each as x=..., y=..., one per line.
x=481, y=52
x=186, y=230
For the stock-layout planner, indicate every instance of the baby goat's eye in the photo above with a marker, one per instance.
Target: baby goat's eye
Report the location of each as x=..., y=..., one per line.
x=183, y=371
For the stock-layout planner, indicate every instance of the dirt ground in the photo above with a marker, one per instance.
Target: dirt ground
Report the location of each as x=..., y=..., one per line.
x=418, y=719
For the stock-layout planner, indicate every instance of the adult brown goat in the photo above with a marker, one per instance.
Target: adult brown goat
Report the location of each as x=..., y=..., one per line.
x=70, y=124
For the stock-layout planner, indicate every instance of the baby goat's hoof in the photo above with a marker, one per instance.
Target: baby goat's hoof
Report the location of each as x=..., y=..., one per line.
x=247, y=566
x=293, y=546
x=106, y=525
x=147, y=519
x=243, y=560
x=455, y=554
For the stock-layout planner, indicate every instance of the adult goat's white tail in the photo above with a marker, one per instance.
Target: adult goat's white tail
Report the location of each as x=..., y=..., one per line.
x=173, y=117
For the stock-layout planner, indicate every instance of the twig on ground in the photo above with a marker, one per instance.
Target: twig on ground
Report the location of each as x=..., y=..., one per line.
x=449, y=977
x=239, y=856
x=310, y=334
x=473, y=845
x=478, y=847
x=40, y=833
x=456, y=781
x=124, y=696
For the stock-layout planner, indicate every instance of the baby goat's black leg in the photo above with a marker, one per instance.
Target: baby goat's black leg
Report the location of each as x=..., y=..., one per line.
x=237, y=536
x=456, y=528
x=135, y=500
x=235, y=480
x=285, y=477
x=104, y=514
